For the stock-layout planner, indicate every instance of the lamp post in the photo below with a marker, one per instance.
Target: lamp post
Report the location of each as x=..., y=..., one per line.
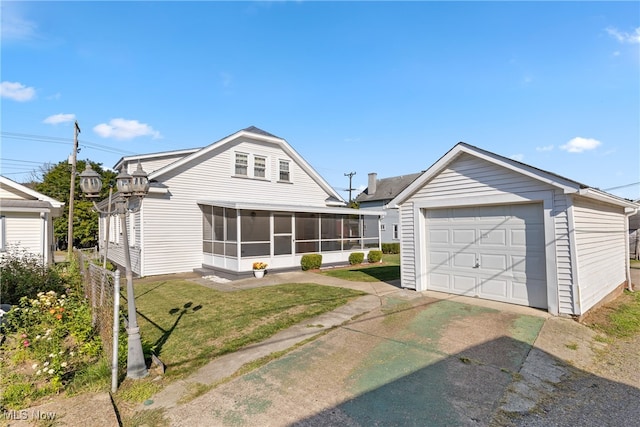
x=129, y=186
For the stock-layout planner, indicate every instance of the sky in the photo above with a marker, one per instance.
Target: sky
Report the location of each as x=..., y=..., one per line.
x=385, y=87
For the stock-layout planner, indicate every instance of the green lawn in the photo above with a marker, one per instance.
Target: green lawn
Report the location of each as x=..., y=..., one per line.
x=188, y=324
x=634, y=263
x=386, y=271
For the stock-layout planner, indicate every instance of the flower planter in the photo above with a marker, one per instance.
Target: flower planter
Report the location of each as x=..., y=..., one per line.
x=258, y=273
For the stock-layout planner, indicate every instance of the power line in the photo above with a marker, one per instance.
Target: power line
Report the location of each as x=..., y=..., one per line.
x=64, y=141
x=622, y=186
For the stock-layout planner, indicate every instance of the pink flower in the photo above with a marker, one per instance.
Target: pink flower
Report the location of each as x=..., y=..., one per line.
x=26, y=343
x=23, y=336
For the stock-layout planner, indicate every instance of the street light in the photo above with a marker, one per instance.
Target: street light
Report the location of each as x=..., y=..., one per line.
x=128, y=186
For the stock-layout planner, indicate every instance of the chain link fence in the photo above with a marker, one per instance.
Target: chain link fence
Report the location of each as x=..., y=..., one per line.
x=98, y=283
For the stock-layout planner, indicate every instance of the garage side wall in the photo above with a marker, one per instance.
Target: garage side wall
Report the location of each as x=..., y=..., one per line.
x=564, y=265
x=407, y=246
x=600, y=249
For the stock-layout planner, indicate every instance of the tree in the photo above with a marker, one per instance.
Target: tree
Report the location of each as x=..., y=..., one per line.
x=55, y=183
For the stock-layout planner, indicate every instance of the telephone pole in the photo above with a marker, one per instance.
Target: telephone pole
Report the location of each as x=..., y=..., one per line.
x=72, y=188
x=350, y=189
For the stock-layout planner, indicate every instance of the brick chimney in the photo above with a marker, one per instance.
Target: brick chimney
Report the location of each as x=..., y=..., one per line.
x=373, y=180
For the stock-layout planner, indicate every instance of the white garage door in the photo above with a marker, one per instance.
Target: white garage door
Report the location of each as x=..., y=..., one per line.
x=491, y=252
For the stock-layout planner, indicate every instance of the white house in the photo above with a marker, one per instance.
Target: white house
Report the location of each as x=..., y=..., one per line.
x=378, y=194
x=479, y=224
x=26, y=219
x=248, y=197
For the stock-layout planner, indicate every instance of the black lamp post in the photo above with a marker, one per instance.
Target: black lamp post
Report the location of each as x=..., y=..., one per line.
x=136, y=185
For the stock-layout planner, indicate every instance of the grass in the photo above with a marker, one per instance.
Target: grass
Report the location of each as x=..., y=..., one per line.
x=386, y=271
x=634, y=263
x=621, y=320
x=188, y=325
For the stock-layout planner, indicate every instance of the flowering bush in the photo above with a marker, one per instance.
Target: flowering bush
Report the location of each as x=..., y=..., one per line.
x=52, y=334
x=260, y=265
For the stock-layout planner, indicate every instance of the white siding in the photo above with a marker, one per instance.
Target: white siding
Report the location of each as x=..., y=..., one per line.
x=468, y=175
x=24, y=230
x=12, y=193
x=564, y=267
x=173, y=223
x=601, y=249
x=407, y=246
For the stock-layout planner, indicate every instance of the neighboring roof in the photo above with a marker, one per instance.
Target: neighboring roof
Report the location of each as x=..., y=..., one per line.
x=16, y=205
x=569, y=186
x=258, y=134
x=289, y=208
x=387, y=188
x=30, y=193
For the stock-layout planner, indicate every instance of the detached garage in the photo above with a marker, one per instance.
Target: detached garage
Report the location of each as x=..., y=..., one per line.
x=479, y=224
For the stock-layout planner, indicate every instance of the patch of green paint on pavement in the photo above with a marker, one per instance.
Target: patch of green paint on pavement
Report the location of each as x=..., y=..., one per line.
x=430, y=322
x=526, y=328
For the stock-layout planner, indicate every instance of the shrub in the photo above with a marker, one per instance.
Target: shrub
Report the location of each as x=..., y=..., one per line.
x=311, y=261
x=374, y=256
x=24, y=275
x=356, y=258
x=391, y=248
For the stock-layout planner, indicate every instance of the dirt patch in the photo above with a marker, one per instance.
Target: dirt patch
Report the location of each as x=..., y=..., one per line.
x=599, y=317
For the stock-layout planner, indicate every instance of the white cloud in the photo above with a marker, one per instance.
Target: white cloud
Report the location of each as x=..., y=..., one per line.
x=125, y=129
x=545, y=148
x=17, y=91
x=519, y=157
x=14, y=26
x=59, y=118
x=624, y=37
x=578, y=145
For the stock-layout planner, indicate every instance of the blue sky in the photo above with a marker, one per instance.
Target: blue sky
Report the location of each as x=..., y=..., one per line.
x=361, y=87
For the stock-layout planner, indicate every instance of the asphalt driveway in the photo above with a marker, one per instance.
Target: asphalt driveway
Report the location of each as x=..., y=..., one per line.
x=412, y=361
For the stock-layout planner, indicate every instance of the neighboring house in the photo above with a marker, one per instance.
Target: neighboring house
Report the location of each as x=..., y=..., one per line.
x=378, y=194
x=482, y=225
x=245, y=198
x=26, y=219
x=634, y=235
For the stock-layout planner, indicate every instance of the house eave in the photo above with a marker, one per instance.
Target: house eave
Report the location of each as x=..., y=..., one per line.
x=288, y=208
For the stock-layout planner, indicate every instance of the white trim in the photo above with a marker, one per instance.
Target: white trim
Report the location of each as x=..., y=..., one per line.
x=153, y=155
x=33, y=193
x=289, y=208
x=601, y=196
x=3, y=234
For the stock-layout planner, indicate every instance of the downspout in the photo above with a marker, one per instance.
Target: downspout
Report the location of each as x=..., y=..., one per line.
x=626, y=250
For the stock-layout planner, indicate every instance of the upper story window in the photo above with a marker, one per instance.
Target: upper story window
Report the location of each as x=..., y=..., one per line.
x=259, y=166
x=285, y=174
x=242, y=164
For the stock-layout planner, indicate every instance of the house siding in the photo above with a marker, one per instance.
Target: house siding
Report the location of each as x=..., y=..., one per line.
x=24, y=230
x=564, y=264
x=407, y=246
x=468, y=175
x=392, y=217
x=173, y=222
x=600, y=249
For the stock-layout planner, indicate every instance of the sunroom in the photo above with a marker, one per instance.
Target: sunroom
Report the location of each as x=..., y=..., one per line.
x=235, y=235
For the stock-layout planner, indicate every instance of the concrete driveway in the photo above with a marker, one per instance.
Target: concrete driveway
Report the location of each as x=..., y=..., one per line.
x=414, y=360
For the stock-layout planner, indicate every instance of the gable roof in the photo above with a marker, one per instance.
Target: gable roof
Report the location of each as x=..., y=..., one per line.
x=30, y=193
x=160, y=154
x=569, y=186
x=260, y=135
x=387, y=188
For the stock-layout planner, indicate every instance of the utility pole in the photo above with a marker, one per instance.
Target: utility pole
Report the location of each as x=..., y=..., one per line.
x=350, y=189
x=72, y=188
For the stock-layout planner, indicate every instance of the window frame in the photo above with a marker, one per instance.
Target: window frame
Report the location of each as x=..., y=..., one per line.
x=282, y=162
x=396, y=232
x=238, y=156
x=263, y=168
